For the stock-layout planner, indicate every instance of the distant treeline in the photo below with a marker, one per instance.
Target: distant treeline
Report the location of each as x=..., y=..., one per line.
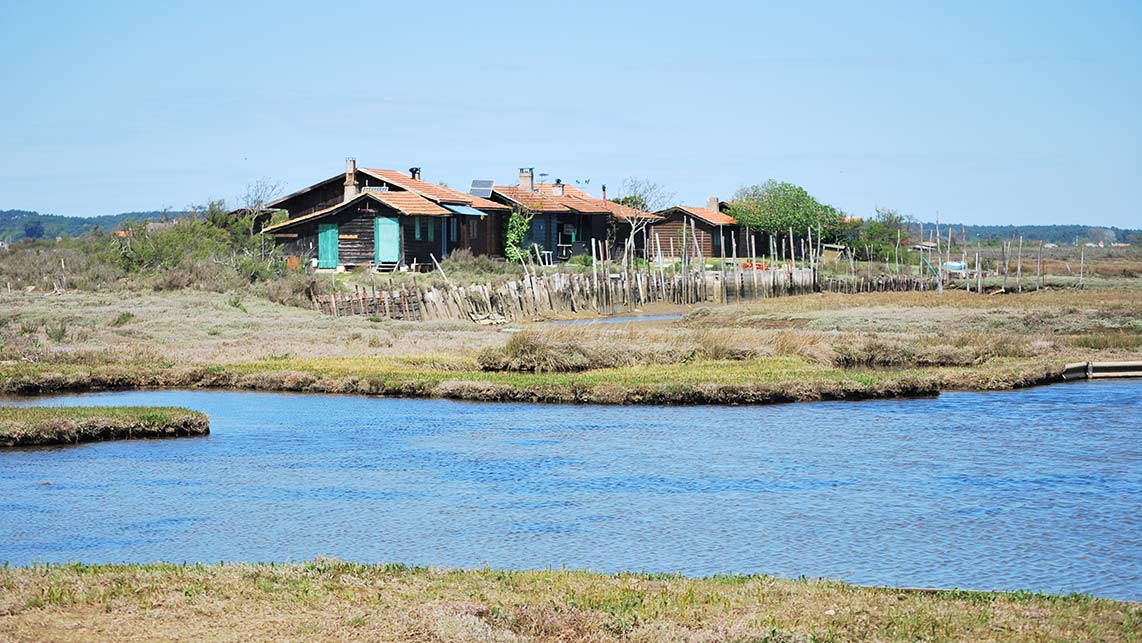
x=1060, y=234
x=25, y=224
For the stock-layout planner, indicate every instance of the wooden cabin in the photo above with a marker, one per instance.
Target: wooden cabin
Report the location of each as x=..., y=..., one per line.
x=624, y=220
x=565, y=219
x=710, y=226
x=385, y=219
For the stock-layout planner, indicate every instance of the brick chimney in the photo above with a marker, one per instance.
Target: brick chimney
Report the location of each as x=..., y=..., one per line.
x=713, y=204
x=414, y=172
x=557, y=189
x=527, y=179
x=351, y=188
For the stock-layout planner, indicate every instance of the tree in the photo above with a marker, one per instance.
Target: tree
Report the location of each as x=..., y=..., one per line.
x=644, y=194
x=252, y=205
x=515, y=233
x=775, y=207
x=639, y=198
x=877, y=238
x=34, y=230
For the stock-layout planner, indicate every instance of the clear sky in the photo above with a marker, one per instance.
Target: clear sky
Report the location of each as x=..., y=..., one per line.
x=987, y=112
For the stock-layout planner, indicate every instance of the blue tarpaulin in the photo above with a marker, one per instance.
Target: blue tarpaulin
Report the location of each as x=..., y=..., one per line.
x=464, y=209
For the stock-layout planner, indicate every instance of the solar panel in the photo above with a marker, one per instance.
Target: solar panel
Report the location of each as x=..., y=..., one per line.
x=481, y=188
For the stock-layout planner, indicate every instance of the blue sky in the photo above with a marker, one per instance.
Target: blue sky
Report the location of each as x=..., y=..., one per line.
x=986, y=112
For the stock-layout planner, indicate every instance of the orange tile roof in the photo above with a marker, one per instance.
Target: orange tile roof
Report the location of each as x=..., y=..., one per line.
x=544, y=199
x=410, y=203
x=531, y=200
x=438, y=193
x=709, y=216
x=568, y=190
x=620, y=211
x=407, y=203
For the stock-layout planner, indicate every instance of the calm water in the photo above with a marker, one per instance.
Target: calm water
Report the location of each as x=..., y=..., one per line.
x=1038, y=489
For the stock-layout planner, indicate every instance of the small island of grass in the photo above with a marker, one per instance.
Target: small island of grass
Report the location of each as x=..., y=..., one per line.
x=31, y=426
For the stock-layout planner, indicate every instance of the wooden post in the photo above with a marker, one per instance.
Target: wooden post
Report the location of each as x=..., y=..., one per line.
x=1019, y=266
x=725, y=286
x=738, y=286
x=898, y=252
x=978, y=275
x=1006, y=262
x=1082, y=262
x=1039, y=268
x=685, y=262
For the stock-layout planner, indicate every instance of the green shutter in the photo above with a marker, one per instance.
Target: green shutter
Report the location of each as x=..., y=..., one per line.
x=327, y=245
x=431, y=229
x=416, y=226
x=386, y=239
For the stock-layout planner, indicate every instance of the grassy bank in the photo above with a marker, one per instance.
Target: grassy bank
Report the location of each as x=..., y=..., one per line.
x=824, y=346
x=28, y=426
x=329, y=600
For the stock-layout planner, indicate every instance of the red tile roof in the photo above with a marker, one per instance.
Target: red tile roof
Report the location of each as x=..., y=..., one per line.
x=410, y=203
x=437, y=193
x=709, y=216
x=620, y=211
x=537, y=201
x=545, y=198
x=406, y=203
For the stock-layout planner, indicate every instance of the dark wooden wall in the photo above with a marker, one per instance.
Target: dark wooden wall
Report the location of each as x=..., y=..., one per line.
x=671, y=228
x=323, y=196
x=412, y=249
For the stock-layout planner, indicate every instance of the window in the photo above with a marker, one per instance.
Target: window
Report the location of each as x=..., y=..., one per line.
x=416, y=228
x=431, y=229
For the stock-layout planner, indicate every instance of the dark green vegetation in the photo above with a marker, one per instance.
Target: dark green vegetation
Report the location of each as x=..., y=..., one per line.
x=209, y=249
x=29, y=426
x=25, y=224
x=776, y=208
x=1060, y=234
x=329, y=600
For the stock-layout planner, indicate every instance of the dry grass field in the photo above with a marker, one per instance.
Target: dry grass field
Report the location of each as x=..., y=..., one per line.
x=328, y=600
x=807, y=347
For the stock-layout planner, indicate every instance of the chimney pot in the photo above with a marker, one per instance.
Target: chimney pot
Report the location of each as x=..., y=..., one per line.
x=527, y=179
x=351, y=189
x=713, y=204
x=557, y=189
x=604, y=191
x=414, y=172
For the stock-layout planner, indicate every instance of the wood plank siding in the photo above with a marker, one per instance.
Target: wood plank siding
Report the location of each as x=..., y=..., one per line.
x=709, y=236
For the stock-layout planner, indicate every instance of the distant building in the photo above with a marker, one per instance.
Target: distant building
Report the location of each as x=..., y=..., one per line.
x=709, y=227
x=384, y=218
x=565, y=220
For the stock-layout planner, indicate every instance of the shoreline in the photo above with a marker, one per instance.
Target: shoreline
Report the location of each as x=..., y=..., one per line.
x=330, y=599
x=711, y=393
x=32, y=426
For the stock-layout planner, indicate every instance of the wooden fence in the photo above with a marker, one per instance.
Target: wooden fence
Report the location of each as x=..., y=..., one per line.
x=541, y=295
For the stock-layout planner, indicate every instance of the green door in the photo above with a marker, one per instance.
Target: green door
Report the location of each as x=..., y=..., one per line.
x=386, y=239
x=327, y=245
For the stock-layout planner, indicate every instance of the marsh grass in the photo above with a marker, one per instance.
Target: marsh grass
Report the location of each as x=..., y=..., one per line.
x=29, y=426
x=822, y=346
x=329, y=600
